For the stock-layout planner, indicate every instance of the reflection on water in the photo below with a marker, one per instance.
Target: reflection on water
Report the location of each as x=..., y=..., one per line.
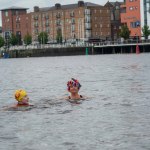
x=115, y=116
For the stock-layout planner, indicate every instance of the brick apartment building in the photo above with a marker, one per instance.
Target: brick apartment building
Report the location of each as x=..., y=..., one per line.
x=76, y=22
x=15, y=20
x=81, y=21
x=131, y=15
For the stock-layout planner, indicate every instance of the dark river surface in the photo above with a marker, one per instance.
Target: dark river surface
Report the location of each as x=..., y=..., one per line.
x=115, y=116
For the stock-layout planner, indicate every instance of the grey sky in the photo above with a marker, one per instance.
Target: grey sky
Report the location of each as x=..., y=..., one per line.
x=42, y=3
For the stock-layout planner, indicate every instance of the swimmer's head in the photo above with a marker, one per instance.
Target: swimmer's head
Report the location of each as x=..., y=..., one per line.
x=73, y=83
x=20, y=94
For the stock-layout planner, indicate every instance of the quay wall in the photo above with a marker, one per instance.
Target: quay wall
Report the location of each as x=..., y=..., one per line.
x=68, y=51
x=48, y=52
x=123, y=49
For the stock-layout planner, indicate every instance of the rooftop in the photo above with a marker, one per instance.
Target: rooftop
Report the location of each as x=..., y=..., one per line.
x=69, y=6
x=14, y=8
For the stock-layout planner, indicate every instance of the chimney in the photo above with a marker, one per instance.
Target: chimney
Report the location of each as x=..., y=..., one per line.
x=80, y=3
x=57, y=6
x=36, y=9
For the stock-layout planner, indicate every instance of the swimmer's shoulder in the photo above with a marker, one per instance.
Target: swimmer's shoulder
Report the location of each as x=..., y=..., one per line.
x=18, y=107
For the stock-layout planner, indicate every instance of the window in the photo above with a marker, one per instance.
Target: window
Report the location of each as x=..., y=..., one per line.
x=17, y=12
x=6, y=13
x=130, y=8
x=72, y=20
x=47, y=30
x=135, y=24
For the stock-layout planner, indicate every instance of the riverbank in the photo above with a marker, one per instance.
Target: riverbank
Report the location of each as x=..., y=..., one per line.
x=68, y=51
x=65, y=51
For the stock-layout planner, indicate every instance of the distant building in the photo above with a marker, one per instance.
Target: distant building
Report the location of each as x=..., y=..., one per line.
x=82, y=21
x=76, y=22
x=15, y=20
x=145, y=13
x=115, y=18
x=0, y=31
x=131, y=16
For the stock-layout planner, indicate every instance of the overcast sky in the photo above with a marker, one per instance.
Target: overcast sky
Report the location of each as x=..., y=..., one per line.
x=43, y=3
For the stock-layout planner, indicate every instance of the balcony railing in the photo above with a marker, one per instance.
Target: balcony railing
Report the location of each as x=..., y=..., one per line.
x=87, y=12
x=58, y=16
x=46, y=17
x=36, y=18
x=36, y=25
x=46, y=24
x=72, y=14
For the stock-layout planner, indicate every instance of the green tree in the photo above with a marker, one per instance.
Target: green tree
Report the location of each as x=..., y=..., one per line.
x=59, y=36
x=13, y=40
x=146, y=31
x=125, y=32
x=27, y=39
x=2, y=42
x=43, y=38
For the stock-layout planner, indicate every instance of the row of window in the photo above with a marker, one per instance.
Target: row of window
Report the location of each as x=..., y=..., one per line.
x=59, y=23
x=135, y=24
x=133, y=8
x=18, y=19
x=132, y=0
x=59, y=14
x=36, y=31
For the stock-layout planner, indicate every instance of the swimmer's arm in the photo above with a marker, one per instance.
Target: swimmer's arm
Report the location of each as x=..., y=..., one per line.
x=6, y=108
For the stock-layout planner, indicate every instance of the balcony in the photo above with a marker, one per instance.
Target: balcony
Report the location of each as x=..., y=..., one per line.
x=46, y=24
x=88, y=26
x=87, y=21
x=58, y=16
x=46, y=17
x=73, y=22
x=36, y=25
x=35, y=17
x=87, y=12
x=58, y=24
x=17, y=20
x=72, y=15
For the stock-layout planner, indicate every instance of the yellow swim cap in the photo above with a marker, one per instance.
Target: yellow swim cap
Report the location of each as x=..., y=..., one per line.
x=19, y=94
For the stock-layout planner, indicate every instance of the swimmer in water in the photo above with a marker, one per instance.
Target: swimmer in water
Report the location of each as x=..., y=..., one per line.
x=22, y=102
x=22, y=98
x=73, y=87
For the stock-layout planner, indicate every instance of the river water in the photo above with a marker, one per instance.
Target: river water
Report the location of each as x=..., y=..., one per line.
x=115, y=116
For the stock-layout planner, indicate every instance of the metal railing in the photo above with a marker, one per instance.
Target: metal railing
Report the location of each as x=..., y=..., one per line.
x=77, y=44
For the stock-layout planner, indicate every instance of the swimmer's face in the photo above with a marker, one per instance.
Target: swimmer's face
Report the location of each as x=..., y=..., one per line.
x=25, y=100
x=74, y=89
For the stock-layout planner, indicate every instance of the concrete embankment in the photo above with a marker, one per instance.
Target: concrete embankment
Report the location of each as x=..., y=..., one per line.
x=68, y=51
x=49, y=52
x=124, y=48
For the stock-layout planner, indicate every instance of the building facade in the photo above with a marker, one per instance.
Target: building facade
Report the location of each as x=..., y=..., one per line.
x=115, y=18
x=131, y=16
x=145, y=13
x=15, y=20
x=74, y=22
